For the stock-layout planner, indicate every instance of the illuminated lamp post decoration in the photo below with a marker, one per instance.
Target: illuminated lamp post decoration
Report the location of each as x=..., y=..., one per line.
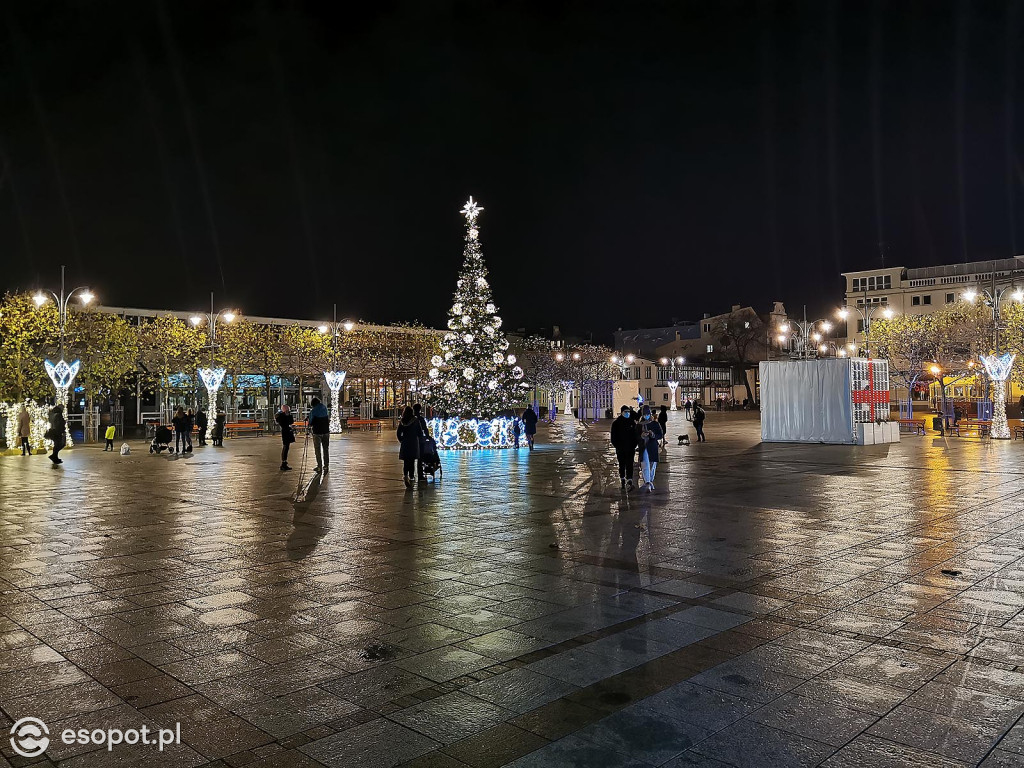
x=335, y=378
x=62, y=373
x=997, y=365
x=474, y=380
x=998, y=369
x=212, y=376
x=673, y=379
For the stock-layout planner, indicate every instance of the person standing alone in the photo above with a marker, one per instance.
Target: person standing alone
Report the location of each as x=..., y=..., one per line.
x=109, y=435
x=285, y=420
x=201, y=425
x=698, y=422
x=25, y=430
x=320, y=428
x=530, y=425
x=624, y=441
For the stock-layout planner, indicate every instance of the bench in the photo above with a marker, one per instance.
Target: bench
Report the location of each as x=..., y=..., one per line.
x=982, y=427
x=912, y=426
x=240, y=428
x=364, y=424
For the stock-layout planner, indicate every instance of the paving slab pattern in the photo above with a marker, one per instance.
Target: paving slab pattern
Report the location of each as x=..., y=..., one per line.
x=768, y=605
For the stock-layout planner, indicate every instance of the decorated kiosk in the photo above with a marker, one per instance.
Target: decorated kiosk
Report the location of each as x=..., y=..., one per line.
x=844, y=401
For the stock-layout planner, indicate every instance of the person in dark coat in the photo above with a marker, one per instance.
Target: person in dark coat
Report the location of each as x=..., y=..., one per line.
x=698, y=421
x=218, y=428
x=180, y=422
x=624, y=439
x=410, y=433
x=190, y=424
x=285, y=420
x=648, y=438
x=319, y=425
x=57, y=433
x=530, y=425
x=201, y=424
x=663, y=423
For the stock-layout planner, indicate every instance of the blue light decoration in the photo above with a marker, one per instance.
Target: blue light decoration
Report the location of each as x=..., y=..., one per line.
x=472, y=434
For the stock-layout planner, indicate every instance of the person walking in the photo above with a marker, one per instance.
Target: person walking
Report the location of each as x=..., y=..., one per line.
x=25, y=430
x=57, y=433
x=410, y=434
x=285, y=420
x=663, y=423
x=698, y=421
x=319, y=421
x=180, y=422
x=530, y=425
x=201, y=424
x=649, y=437
x=109, y=435
x=686, y=408
x=624, y=441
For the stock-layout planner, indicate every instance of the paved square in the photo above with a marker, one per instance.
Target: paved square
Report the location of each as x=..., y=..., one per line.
x=768, y=605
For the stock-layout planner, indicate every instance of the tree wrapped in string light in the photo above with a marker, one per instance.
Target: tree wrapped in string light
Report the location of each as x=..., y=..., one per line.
x=473, y=381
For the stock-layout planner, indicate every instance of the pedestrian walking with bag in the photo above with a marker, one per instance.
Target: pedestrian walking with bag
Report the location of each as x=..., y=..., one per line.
x=57, y=433
x=319, y=421
x=285, y=420
x=410, y=434
x=649, y=439
x=624, y=441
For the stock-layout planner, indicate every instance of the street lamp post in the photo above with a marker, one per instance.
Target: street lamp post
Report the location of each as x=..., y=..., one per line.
x=212, y=377
x=804, y=335
x=63, y=373
x=997, y=365
x=335, y=378
x=866, y=314
x=673, y=380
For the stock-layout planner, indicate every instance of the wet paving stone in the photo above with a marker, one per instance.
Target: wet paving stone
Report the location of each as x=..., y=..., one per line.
x=769, y=605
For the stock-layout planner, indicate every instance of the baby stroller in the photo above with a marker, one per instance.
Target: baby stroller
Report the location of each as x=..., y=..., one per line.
x=161, y=440
x=430, y=462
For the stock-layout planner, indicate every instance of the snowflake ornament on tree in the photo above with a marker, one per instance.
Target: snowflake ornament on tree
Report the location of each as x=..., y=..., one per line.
x=474, y=379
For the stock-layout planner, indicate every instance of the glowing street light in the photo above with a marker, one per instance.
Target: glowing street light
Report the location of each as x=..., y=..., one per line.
x=866, y=313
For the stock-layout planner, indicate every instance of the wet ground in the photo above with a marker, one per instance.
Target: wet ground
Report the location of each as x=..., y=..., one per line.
x=768, y=605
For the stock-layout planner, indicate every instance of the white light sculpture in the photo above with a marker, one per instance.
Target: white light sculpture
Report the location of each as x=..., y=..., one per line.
x=63, y=376
x=212, y=378
x=335, y=380
x=998, y=369
x=672, y=387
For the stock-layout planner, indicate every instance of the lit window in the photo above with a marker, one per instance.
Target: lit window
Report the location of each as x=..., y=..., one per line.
x=950, y=298
x=746, y=324
x=711, y=347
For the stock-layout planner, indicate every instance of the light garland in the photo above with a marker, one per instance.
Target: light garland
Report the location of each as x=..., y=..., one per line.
x=472, y=434
x=335, y=380
x=63, y=376
x=39, y=423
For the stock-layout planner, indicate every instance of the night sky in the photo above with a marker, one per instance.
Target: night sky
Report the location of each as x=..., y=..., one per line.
x=637, y=161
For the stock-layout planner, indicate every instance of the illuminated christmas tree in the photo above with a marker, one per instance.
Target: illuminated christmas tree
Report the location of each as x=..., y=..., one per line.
x=474, y=377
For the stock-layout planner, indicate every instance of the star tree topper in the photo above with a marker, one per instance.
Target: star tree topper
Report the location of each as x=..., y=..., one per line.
x=471, y=210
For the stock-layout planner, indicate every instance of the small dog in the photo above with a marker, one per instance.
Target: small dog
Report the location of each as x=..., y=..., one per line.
x=125, y=449
x=684, y=439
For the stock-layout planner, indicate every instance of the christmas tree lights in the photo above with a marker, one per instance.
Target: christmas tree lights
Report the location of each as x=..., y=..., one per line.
x=998, y=368
x=212, y=378
x=473, y=381
x=335, y=380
